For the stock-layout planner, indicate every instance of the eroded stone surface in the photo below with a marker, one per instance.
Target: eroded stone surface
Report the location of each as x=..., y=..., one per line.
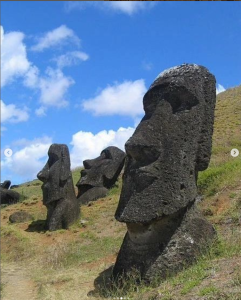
x=6, y=184
x=7, y=196
x=100, y=174
x=58, y=189
x=20, y=216
x=170, y=145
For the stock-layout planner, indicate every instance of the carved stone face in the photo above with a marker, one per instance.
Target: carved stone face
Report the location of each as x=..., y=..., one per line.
x=170, y=145
x=55, y=173
x=101, y=171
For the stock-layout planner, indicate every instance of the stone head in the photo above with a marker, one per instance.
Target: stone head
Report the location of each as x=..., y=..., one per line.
x=170, y=145
x=101, y=171
x=6, y=184
x=56, y=174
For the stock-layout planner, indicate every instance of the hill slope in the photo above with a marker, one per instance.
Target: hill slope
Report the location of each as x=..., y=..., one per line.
x=69, y=264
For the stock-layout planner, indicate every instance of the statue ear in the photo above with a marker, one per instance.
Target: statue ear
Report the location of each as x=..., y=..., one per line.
x=65, y=164
x=206, y=130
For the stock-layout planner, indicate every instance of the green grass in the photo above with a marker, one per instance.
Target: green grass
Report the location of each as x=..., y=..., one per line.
x=208, y=290
x=23, y=248
x=30, y=190
x=88, y=249
x=218, y=177
x=76, y=174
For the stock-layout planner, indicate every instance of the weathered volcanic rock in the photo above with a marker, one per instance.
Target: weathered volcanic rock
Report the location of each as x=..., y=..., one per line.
x=14, y=186
x=170, y=145
x=20, y=216
x=58, y=189
x=6, y=184
x=7, y=196
x=100, y=174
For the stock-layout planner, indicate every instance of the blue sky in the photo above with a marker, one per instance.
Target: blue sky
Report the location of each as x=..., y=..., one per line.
x=76, y=72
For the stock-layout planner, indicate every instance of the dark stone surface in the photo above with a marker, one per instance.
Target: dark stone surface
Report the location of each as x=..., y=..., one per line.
x=168, y=148
x=6, y=184
x=100, y=174
x=7, y=196
x=58, y=189
x=14, y=186
x=20, y=216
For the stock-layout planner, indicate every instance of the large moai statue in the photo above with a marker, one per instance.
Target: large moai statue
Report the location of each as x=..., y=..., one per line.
x=58, y=189
x=172, y=143
x=100, y=174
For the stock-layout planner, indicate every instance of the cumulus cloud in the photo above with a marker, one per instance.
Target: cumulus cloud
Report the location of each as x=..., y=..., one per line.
x=88, y=145
x=54, y=87
x=119, y=99
x=129, y=7
x=27, y=161
x=126, y=7
x=29, y=156
x=11, y=114
x=31, y=77
x=220, y=89
x=71, y=58
x=14, y=62
x=56, y=37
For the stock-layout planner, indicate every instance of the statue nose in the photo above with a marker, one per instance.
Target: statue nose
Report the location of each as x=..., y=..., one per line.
x=88, y=163
x=42, y=176
x=141, y=150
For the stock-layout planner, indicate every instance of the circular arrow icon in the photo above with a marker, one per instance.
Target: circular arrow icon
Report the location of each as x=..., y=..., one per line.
x=8, y=152
x=234, y=152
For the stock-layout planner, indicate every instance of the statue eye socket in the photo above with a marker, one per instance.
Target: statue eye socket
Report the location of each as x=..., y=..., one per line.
x=106, y=154
x=146, y=154
x=53, y=158
x=180, y=99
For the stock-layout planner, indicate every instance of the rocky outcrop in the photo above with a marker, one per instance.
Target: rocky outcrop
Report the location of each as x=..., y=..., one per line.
x=20, y=217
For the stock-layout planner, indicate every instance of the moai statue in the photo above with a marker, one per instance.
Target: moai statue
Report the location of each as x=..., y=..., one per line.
x=100, y=174
x=58, y=189
x=6, y=184
x=165, y=231
x=7, y=196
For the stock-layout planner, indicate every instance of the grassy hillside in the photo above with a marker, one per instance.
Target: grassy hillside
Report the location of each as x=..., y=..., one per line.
x=69, y=264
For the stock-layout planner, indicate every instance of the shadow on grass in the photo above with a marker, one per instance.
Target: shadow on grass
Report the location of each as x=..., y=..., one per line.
x=103, y=284
x=37, y=226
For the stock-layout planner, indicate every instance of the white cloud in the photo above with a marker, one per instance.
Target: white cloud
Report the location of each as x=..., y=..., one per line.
x=41, y=111
x=11, y=114
x=87, y=145
x=14, y=62
x=29, y=156
x=31, y=77
x=53, y=88
x=56, y=37
x=126, y=7
x=71, y=58
x=120, y=99
x=220, y=89
x=29, y=160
